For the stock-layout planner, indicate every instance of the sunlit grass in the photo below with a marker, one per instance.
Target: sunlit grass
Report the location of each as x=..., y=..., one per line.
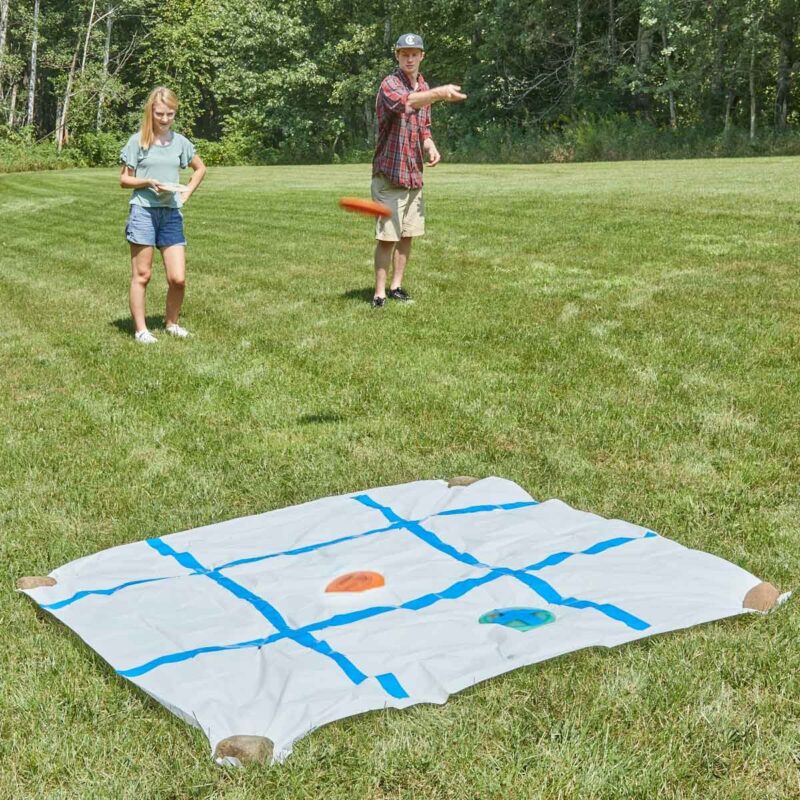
x=622, y=336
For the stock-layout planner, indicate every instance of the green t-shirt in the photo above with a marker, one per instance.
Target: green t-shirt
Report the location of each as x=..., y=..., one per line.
x=162, y=162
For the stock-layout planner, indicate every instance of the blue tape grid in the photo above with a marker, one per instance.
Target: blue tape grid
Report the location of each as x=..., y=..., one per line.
x=304, y=635
x=274, y=617
x=541, y=587
x=293, y=552
x=453, y=592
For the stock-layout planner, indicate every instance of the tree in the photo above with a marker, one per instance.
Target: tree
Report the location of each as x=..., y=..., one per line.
x=3, y=30
x=32, y=72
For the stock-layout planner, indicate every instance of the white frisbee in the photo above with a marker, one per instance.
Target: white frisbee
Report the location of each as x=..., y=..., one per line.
x=174, y=187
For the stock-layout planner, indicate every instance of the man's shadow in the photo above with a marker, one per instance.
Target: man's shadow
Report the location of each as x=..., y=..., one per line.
x=125, y=324
x=360, y=295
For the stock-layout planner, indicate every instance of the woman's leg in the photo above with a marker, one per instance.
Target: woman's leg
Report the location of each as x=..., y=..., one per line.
x=141, y=269
x=175, y=267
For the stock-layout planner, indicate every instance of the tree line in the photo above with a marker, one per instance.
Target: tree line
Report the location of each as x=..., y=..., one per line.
x=296, y=79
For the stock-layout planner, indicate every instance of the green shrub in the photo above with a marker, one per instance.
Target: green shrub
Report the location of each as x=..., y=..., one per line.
x=20, y=152
x=97, y=149
x=610, y=138
x=588, y=138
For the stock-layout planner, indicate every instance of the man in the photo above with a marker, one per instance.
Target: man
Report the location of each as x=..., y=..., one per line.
x=404, y=138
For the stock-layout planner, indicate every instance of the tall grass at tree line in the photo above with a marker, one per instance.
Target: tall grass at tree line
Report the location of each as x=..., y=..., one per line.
x=621, y=336
x=590, y=138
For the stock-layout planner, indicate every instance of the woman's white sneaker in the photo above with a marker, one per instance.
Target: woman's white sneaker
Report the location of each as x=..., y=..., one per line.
x=145, y=337
x=177, y=330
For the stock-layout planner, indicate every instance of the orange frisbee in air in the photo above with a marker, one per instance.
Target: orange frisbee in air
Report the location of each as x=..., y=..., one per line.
x=365, y=207
x=356, y=582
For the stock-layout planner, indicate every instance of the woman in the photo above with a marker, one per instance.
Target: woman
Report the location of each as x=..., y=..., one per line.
x=151, y=161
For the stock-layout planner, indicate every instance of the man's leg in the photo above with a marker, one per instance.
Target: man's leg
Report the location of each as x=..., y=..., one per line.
x=383, y=258
x=401, y=254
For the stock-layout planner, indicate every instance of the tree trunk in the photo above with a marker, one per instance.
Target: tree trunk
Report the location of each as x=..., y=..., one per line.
x=3, y=31
x=61, y=128
x=12, y=106
x=644, y=43
x=576, y=59
x=88, y=35
x=785, y=48
x=729, y=100
x=752, y=92
x=101, y=97
x=612, y=34
x=673, y=118
x=32, y=74
x=719, y=97
x=369, y=122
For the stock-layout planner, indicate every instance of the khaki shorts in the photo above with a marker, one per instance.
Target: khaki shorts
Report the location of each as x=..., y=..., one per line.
x=408, y=210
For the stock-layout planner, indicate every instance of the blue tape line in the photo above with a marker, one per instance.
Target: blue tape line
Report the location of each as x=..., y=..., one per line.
x=387, y=512
x=311, y=547
x=599, y=547
x=453, y=592
x=479, y=509
x=266, y=609
x=434, y=541
x=399, y=524
x=185, y=559
x=88, y=592
x=551, y=595
x=392, y=685
x=540, y=586
x=186, y=655
x=412, y=526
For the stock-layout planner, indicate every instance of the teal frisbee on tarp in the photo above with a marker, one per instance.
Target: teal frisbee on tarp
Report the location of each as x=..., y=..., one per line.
x=520, y=619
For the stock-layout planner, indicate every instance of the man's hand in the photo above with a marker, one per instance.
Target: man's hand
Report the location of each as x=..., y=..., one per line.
x=434, y=157
x=450, y=93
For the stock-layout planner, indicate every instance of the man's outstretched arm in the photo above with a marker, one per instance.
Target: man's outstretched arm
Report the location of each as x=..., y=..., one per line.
x=450, y=93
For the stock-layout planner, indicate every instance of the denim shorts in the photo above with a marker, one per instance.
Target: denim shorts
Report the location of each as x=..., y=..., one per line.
x=156, y=227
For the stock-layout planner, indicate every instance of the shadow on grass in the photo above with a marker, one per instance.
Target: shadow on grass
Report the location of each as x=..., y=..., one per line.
x=125, y=324
x=317, y=419
x=361, y=295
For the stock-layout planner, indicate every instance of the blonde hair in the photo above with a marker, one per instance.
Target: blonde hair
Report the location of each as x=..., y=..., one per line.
x=159, y=95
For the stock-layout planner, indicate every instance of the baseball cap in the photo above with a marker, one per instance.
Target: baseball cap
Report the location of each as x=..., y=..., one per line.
x=410, y=40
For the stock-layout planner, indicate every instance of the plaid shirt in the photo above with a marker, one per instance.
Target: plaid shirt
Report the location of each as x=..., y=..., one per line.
x=401, y=131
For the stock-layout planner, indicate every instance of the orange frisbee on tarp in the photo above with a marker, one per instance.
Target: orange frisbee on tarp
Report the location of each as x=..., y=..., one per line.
x=356, y=582
x=369, y=207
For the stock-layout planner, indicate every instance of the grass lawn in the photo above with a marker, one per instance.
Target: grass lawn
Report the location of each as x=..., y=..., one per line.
x=625, y=337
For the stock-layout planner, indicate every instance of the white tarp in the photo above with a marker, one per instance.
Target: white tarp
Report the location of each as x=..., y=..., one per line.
x=230, y=627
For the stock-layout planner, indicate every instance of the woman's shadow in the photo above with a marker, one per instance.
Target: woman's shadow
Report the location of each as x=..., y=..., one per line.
x=125, y=324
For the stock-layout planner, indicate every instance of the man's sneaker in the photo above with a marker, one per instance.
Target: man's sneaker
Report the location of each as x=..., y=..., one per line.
x=399, y=294
x=177, y=330
x=145, y=337
x=378, y=302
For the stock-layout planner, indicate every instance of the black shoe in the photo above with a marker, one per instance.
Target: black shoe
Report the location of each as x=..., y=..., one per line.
x=399, y=294
x=378, y=302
